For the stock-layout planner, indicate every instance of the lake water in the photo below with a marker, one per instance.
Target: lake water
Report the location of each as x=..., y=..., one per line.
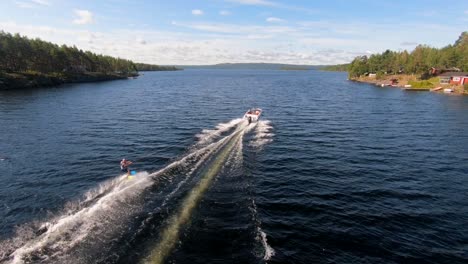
x=335, y=171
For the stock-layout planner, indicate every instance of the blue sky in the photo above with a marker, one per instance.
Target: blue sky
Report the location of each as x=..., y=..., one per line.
x=217, y=31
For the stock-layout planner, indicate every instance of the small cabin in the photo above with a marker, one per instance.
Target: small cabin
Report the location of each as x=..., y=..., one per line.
x=459, y=80
x=455, y=78
x=372, y=75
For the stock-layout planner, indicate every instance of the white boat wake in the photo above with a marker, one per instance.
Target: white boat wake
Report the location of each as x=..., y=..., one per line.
x=263, y=134
x=102, y=213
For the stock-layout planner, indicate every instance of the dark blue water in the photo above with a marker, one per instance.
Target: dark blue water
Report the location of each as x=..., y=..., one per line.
x=336, y=171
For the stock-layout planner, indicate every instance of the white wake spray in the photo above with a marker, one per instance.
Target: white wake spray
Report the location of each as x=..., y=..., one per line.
x=104, y=210
x=263, y=134
x=101, y=211
x=62, y=233
x=208, y=135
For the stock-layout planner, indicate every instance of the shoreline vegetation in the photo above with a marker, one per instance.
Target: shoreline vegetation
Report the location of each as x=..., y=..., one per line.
x=410, y=82
x=419, y=70
x=32, y=63
x=152, y=67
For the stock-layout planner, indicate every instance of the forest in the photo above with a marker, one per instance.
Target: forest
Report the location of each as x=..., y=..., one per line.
x=21, y=54
x=338, y=67
x=30, y=63
x=151, y=67
x=418, y=61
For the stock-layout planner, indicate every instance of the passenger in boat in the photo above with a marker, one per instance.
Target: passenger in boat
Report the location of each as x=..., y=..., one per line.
x=124, y=164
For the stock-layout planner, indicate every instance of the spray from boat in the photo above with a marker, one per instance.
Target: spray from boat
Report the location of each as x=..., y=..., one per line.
x=170, y=234
x=103, y=212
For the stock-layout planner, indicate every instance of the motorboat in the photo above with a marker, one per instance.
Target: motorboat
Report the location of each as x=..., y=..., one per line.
x=253, y=114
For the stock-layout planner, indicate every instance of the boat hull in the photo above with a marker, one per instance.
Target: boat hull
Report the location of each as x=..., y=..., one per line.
x=253, y=115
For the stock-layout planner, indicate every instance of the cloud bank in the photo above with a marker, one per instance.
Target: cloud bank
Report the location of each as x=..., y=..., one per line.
x=83, y=17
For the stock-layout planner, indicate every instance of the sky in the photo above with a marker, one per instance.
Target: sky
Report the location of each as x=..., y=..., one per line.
x=176, y=32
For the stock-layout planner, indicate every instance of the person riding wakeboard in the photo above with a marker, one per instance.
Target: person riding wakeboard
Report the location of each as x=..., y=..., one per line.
x=249, y=119
x=124, y=164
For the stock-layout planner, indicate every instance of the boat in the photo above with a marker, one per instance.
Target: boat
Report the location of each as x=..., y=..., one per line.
x=448, y=90
x=253, y=114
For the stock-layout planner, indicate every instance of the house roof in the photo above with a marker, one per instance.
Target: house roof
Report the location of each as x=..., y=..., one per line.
x=449, y=74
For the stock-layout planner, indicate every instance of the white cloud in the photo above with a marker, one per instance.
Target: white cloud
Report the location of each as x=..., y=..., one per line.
x=31, y=3
x=41, y=2
x=253, y=2
x=224, y=13
x=408, y=43
x=274, y=20
x=312, y=42
x=234, y=28
x=83, y=17
x=141, y=41
x=466, y=12
x=21, y=4
x=197, y=12
x=86, y=36
x=331, y=42
x=273, y=4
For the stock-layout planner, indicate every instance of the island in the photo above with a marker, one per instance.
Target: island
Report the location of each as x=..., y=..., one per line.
x=32, y=63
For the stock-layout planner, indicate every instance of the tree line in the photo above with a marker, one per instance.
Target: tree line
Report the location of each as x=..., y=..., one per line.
x=21, y=54
x=419, y=61
x=338, y=67
x=151, y=67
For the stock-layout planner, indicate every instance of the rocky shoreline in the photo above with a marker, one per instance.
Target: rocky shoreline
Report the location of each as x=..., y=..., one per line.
x=404, y=81
x=22, y=80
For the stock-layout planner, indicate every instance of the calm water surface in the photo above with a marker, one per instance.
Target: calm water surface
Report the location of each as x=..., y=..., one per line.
x=336, y=172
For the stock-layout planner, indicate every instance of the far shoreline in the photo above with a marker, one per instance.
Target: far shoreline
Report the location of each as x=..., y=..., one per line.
x=404, y=81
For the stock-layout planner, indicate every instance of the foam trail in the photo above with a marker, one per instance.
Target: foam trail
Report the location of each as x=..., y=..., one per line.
x=263, y=134
x=66, y=231
x=170, y=234
x=212, y=147
x=268, y=251
x=207, y=135
x=81, y=219
x=100, y=212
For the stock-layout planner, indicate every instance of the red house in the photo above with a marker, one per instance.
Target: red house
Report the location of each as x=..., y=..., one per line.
x=459, y=80
x=455, y=78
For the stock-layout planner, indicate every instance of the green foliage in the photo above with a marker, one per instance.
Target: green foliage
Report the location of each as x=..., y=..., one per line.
x=420, y=60
x=380, y=75
x=34, y=56
x=338, y=67
x=431, y=83
x=358, y=67
x=151, y=67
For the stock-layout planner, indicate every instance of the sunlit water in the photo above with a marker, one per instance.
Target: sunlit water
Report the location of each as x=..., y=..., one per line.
x=336, y=172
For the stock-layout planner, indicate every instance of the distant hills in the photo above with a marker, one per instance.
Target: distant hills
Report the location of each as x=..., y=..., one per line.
x=253, y=66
